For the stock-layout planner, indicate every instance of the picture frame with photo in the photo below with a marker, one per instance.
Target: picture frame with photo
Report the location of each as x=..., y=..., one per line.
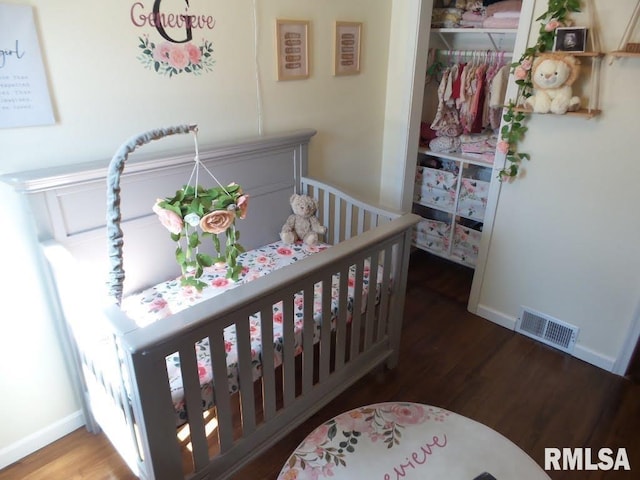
x=292, y=44
x=570, y=39
x=347, y=47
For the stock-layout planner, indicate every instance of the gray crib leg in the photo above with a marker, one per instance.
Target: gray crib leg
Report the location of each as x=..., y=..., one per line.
x=396, y=310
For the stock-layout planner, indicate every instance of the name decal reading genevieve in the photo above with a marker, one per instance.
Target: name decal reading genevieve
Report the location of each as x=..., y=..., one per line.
x=418, y=457
x=161, y=20
x=583, y=459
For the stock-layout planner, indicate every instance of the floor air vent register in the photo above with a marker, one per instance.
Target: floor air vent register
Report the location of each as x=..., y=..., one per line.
x=546, y=329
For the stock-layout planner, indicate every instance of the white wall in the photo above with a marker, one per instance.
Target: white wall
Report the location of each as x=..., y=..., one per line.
x=565, y=240
x=409, y=41
x=102, y=96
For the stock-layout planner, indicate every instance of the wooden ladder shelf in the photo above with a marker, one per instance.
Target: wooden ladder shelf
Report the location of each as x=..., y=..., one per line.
x=626, y=49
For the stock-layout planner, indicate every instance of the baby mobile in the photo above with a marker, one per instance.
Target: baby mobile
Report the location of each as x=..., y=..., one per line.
x=196, y=213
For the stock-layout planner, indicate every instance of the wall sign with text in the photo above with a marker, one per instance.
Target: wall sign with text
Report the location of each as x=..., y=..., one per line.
x=167, y=43
x=24, y=94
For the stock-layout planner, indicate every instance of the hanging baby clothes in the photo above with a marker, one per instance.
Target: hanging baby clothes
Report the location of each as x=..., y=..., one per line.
x=447, y=122
x=470, y=97
x=497, y=93
x=477, y=104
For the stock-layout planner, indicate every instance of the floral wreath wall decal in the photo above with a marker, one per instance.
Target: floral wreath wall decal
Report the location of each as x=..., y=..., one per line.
x=171, y=59
x=514, y=129
x=175, y=52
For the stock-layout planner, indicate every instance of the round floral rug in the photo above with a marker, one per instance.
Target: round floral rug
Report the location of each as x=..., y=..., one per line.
x=397, y=440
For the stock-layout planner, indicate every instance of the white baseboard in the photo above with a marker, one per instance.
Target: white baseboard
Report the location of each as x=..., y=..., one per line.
x=581, y=352
x=594, y=358
x=42, y=438
x=500, y=318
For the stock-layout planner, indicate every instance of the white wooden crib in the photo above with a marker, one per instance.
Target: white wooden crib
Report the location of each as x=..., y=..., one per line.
x=123, y=367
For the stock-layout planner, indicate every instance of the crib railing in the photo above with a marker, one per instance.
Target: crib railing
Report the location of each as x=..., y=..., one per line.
x=347, y=215
x=358, y=333
x=343, y=354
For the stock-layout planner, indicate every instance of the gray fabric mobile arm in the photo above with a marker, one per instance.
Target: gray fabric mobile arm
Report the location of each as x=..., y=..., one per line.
x=114, y=232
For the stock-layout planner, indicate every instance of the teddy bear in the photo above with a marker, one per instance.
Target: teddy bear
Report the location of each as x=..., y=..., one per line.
x=552, y=75
x=302, y=224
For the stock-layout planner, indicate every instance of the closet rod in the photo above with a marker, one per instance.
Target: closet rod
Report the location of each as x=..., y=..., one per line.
x=489, y=35
x=480, y=54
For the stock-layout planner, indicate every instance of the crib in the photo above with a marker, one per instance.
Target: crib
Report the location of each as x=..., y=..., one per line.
x=339, y=308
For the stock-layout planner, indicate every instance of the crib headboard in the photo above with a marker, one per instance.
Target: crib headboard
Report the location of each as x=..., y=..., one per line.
x=68, y=204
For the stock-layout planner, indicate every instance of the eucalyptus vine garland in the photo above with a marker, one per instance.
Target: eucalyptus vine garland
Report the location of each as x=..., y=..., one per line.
x=514, y=129
x=194, y=213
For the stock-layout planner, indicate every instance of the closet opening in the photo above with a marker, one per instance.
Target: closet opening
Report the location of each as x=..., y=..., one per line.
x=464, y=98
x=466, y=79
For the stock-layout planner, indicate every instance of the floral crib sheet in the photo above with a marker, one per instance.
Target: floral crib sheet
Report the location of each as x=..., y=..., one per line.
x=169, y=297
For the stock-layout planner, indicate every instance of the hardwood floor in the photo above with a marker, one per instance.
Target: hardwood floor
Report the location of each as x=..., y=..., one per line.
x=534, y=395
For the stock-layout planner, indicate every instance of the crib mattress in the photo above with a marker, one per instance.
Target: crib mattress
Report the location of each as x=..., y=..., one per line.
x=169, y=297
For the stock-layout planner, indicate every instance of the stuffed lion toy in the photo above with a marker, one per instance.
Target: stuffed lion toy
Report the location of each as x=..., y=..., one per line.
x=553, y=75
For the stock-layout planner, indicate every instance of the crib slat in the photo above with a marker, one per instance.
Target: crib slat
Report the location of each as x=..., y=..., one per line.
x=361, y=213
x=193, y=398
x=124, y=400
x=399, y=264
x=384, y=293
x=343, y=312
x=337, y=219
x=325, y=329
x=308, y=330
x=347, y=221
x=221, y=390
x=326, y=214
x=247, y=399
x=357, y=310
x=288, y=354
x=371, y=301
x=268, y=368
x=154, y=407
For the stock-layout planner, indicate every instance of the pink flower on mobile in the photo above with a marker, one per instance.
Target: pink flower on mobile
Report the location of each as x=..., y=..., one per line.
x=168, y=218
x=217, y=221
x=243, y=205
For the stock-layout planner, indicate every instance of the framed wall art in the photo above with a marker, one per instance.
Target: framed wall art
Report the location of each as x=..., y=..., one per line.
x=292, y=49
x=347, y=48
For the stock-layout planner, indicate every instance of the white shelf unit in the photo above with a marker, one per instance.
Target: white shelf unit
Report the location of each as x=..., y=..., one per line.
x=495, y=36
x=451, y=196
x=453, y=208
